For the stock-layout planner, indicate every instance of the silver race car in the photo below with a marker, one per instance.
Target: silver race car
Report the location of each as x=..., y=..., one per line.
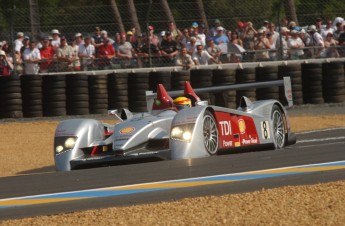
x=172, y=131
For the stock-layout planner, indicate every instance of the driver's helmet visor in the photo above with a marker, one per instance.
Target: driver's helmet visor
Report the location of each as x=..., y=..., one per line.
x=182, y=106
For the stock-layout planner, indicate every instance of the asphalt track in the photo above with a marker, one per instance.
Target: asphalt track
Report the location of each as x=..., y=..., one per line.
x=139, y=182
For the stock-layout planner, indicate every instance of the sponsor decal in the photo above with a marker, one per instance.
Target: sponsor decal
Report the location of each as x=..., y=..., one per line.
x=249, y=141
x=237, y=144
x=227, y=143
x=225, y=127
x=127, y=130
x=265, y=130
x=242, y=126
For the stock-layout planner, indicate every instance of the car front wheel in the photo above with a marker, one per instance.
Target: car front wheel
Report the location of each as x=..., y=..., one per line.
x=210, y=133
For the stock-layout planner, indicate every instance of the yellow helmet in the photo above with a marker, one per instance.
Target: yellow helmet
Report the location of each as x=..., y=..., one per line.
x=182, y=102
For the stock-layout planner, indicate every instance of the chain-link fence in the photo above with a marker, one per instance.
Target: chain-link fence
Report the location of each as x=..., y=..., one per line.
x=234, y=16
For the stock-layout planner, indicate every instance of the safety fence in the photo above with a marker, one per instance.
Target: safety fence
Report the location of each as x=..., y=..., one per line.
x=82, y=94
x=72, y=19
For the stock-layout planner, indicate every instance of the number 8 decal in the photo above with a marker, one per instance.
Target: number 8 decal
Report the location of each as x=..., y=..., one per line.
x=265, y=130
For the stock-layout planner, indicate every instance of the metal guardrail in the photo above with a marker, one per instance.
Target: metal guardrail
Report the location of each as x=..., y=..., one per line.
x=211, y=66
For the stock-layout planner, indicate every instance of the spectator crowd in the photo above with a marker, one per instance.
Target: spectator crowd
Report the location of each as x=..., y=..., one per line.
x=194, y=45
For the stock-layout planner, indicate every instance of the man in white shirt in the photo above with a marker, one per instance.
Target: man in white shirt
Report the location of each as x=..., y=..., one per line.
x=202, y=57
x=56, y=38
x=18, y=43
x=31, y=58
x=295, y=45
x=86, y=53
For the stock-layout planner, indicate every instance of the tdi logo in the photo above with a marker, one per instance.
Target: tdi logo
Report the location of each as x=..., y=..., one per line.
x=226, y=127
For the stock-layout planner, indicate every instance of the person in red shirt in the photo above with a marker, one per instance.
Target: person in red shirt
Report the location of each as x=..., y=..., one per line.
x=47, y=54
x=5, y=65
x=105, y=53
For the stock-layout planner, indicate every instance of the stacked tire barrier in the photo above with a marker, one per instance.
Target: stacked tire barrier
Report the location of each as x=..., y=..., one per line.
x=117, y=91
x=138, y=84
x=77, y=92
x=245, y=75
x=10, y=97
x=98, y=94
x=178, y=79
x=54, y=95
x=159, y=77
x=224, y=77
x=200, y=79
x=294, y=72
x=312, y=83
x=268, y=73
x=333, y=82
x=32, y=95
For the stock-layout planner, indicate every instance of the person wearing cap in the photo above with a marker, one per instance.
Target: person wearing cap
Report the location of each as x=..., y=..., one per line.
x=86, y=54
x=183, y=59
x=105, y=54
x=213, y=30
x=195, y=25
x=5, y=65
x=18, y=43
x=78, y=39
x=104, y=35
x=47, y=54
x=32, y=57
x=222, y=41
x=65, y=55
x=315, y=40
x=56, y=38
x=175, y=32
x=169, y=48
x=295, y=46
x=265, y=23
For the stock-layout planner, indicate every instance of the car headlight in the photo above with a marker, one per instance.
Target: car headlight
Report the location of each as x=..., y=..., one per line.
x=63, y=144
x=182, y=132
x=70, y=142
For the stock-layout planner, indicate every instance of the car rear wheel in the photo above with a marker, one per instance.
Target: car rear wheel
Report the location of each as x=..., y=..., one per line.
x=278, y=122
x=210, y=133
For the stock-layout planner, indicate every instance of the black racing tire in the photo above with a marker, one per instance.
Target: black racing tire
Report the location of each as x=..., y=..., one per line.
x=279, y=128
x=118, y=93
x=133, y=87
x=54, y=84
x=33, y=114
x=77, y=105
x=210, y=133
x=33, y=89
x=55, y=112
x=99, y=101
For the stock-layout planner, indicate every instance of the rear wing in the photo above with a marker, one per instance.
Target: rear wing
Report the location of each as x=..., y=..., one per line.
x=285, y=82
